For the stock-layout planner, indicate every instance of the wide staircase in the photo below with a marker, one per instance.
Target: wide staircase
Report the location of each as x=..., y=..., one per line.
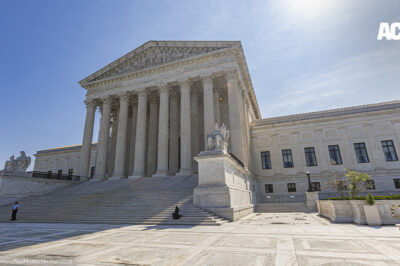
x=143, y=201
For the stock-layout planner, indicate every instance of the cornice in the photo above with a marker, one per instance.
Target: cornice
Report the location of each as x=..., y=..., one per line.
x=353, y=110
x=158, y=69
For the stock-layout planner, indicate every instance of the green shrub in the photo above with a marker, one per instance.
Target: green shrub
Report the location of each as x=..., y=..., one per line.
x=370, y=199
x=386, y=197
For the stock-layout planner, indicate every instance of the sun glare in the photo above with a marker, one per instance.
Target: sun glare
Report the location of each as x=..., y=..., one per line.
x=309, y=9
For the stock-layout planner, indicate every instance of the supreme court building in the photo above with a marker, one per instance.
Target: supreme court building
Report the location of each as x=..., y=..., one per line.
x=157, y=104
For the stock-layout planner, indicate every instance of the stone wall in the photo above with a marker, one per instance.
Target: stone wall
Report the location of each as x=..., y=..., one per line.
x=22, y=186
x=340, y=127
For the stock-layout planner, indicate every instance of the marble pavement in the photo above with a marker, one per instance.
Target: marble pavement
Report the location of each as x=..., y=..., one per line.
x=259, y=239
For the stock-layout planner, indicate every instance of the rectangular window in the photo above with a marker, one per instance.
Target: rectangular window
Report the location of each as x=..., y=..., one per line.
x=370, y=184
x=389, y=151
x=361, y=152
x=269, y=188
x=396, y=182
x=49, y=173
x=291, y=187
x=59, y=173
x=287, y=158
x=316, y=186
x=334, y=153
x=311, y=159
x=265, y=160
x=70, y=172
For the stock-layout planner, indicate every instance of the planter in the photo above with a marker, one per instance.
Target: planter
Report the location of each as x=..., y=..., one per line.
x=372, y=215
x=336, y=210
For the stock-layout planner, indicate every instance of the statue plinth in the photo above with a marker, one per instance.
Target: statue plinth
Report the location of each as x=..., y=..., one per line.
x=224, y=185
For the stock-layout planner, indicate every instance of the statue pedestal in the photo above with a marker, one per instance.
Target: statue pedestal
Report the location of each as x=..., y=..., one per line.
x=224, y=186
x=311, y=200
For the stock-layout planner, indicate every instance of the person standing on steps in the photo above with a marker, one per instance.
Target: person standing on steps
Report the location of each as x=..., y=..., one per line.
x=14, y=211
x=176, y=214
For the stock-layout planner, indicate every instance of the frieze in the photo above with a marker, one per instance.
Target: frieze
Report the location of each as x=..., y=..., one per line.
x=155, y=56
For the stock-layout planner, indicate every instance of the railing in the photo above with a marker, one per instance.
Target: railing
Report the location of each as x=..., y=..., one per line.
x=58, y=176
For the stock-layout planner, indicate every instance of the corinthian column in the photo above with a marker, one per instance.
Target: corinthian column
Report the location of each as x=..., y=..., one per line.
x=162, y=159
x=140, y=143
x=86, y=148
x=152, y=136
x=208, y=95
x=234, y=115
x=102, y=143
x=186, y=156
x=174, y=133
x=120, y=153
x=133, y=136
x=217, y=109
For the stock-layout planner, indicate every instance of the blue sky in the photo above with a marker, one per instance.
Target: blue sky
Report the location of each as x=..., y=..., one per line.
x=303, y=56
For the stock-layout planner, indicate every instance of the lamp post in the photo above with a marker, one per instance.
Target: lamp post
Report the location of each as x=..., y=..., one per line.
x=309, y=182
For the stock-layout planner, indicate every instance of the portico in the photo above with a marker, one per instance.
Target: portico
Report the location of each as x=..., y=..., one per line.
x=157, y=105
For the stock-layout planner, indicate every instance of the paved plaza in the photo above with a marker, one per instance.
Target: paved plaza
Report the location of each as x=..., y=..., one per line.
x=259, y=239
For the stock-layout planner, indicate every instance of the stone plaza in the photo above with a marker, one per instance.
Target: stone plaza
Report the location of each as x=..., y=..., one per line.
x=259, y=239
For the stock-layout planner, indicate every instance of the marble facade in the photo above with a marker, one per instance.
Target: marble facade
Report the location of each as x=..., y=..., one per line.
x=158, y=103
x=162, y=107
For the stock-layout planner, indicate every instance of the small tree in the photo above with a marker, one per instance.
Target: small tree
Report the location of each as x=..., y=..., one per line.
x=339, y=185
x=358, y=182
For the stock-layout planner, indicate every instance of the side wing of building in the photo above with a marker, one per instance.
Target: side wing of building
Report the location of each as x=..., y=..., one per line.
x=64, y=159
x=364, y=138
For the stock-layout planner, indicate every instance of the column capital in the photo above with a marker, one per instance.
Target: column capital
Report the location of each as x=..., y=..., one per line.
x=142, y=92
x=184, y=83
x=106, y=100
x=207, y=77
x=124, y=96
x=90, y=103
x=162, y=85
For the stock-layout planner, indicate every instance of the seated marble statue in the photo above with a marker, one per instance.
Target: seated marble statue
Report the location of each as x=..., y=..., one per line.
x=217, y=140
x=18, y=165
x=175, y=214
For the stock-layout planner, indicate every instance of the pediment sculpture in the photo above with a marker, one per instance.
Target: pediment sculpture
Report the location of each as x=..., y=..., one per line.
x=19, y=165
x=217, y=140
x=154, y=56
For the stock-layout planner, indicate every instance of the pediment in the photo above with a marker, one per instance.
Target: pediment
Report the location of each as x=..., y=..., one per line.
x=153, y=54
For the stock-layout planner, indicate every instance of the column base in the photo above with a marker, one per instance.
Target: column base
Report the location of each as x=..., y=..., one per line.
x=136, y=176
x=184, y=172
x=116, y=177
x=96, y=179
x=161, y=173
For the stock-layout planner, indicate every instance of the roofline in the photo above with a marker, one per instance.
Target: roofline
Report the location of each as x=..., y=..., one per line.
x=153, y=43
x=63, y=148
x=329, y=113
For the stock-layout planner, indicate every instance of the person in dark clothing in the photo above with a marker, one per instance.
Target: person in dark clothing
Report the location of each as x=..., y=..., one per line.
x=176, y=214
x=14, y=211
